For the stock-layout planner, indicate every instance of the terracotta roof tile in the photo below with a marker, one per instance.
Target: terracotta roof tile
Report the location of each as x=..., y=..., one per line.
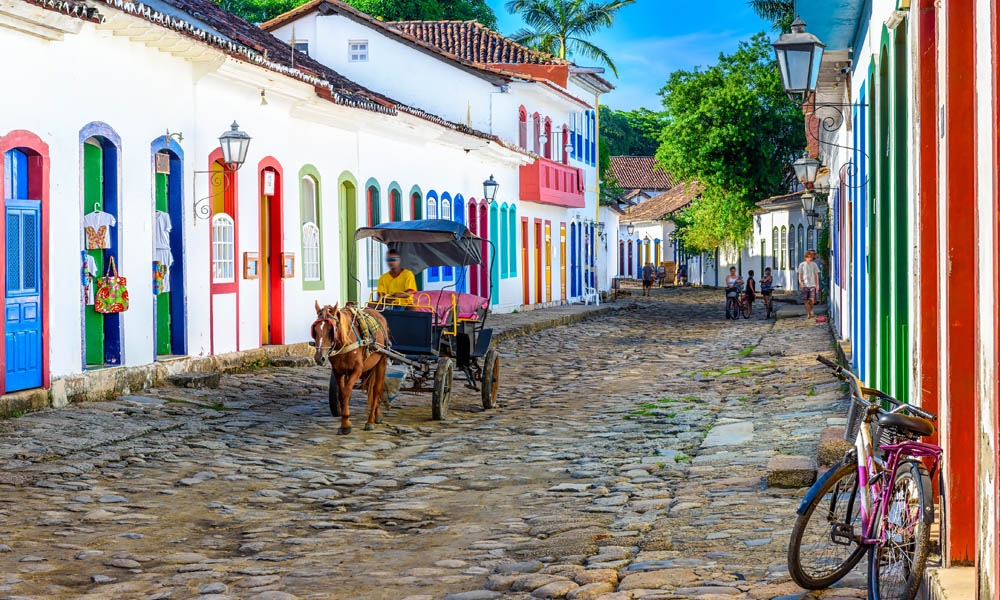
x=791, y=200
x=640, y=173
x=662, y=206
x=474, y=42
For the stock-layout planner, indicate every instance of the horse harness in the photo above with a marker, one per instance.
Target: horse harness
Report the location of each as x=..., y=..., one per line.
x=365, y=328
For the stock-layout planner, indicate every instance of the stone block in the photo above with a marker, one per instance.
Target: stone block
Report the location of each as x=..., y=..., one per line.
x=195, y=379
x=784, y=471
x=729, y=434
x=591, y=591
x=652, y=580
x=832, y=446
x=291, y=361
x=556, y=589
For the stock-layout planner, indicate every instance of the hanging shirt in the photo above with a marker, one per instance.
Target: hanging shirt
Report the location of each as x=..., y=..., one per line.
x=89, y=276
x=97, y=229
x=161, y=247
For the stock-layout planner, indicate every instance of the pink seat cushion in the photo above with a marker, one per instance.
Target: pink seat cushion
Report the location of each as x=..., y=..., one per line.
x=440, y=301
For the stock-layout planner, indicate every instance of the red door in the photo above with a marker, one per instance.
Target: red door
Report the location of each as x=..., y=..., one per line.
x=538, y=261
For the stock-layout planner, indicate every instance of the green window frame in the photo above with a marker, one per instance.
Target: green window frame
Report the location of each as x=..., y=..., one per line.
x=311, y=227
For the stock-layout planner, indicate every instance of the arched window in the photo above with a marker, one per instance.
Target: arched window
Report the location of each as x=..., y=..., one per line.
x=434, y=273
x=564, y=144
x=502, y=241
x=374, y=206
x=395, y=204
x=536, y=131
x=312, y=256
x=763, y=254
x=784, y=246
x=810, y=239
x=416, y=206
x=445, y=208
x=223, y=260
x=512, y=241
x=522, y=128
x=497, y=245
x=774, y=248
x=547, y=150
x=801, y=244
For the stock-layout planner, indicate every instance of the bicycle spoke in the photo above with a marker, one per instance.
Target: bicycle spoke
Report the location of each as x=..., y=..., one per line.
x=902, y=529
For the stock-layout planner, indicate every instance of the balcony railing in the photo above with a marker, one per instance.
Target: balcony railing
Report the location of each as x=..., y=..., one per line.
x=549, y=182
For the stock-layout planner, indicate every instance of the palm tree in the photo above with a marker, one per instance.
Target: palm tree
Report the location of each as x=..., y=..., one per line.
x=781, y=12
x=561, y=27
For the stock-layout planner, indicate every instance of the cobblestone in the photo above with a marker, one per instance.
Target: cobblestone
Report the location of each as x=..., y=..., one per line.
x=628, y=458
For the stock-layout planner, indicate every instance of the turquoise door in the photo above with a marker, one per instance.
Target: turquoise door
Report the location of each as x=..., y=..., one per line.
x=23, y=302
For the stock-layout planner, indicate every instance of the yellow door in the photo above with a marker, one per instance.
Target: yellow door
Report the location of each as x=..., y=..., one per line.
x=562, y=261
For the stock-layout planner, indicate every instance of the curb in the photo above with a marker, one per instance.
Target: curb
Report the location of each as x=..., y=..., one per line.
x=529, y=328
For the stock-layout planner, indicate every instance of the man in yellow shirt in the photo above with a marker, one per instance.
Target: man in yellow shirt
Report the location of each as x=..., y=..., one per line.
x=398, y=283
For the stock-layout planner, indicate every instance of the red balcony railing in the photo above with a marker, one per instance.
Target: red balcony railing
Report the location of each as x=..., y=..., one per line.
x=549, y=182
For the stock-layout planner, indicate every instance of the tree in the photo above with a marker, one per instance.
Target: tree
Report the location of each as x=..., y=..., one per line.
x=258, y=11
x=561, y=27
x=731, y=127
x=780, y=12
x=631, y=132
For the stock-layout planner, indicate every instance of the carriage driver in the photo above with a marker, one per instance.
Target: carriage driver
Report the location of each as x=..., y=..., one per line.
x=397, y=283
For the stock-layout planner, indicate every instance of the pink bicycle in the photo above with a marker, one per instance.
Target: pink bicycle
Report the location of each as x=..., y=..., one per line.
x=878, y=499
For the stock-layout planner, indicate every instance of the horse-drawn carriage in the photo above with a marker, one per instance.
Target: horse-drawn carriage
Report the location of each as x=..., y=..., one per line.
x=432, y=334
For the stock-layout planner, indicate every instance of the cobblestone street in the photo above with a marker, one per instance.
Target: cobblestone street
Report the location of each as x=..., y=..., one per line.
x=626, y=460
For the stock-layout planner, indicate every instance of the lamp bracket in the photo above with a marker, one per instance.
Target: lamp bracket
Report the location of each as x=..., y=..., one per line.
x=217, y=180
x=830, y=120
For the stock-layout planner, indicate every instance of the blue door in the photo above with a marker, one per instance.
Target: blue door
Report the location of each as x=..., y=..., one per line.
x=23, y=303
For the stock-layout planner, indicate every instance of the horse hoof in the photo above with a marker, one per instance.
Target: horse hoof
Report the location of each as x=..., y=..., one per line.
x=344, y=431
x=378, y=420
x=369, y=427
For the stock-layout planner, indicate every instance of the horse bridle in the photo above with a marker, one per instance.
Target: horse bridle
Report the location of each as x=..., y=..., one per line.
x=334, y=351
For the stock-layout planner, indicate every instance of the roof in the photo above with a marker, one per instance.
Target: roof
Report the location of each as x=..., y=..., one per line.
x=248, y=43
x=640, y=173
x=784, y=201
x=660, y=207
x=474, y=42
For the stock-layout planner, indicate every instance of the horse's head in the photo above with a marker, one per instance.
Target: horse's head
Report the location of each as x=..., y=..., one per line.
x=325, y=331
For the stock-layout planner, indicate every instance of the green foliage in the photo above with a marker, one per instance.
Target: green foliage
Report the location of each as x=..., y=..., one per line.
x=780, y=12
x=732, y=128
x=561, y=27
x=631, y=132
x=258, y=11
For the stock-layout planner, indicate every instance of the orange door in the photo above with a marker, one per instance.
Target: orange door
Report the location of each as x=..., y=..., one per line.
x=562, y=261
x=525, y=273
x=538, y=261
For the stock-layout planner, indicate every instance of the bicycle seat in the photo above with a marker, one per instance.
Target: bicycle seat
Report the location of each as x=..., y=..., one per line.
x=912, y=425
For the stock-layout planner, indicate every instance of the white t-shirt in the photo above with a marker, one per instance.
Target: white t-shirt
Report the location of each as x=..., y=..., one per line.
x=731, y=280
x=97, y=229
x=810, y=274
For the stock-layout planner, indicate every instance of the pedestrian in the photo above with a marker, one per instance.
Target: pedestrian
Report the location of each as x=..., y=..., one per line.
x=751, y=290
x=733, y=282
x=647, y=279
x=766, y=287
x=661, y=275
x=808, y=273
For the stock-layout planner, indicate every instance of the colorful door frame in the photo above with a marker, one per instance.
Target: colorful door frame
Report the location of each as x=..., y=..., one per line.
x=36, y=152
x=484, y=233
x=100, y=172
x=271, y=232
x=548, y=261
x=562, y=261
x=525, y=272
x=223, y=200
x=347, y=198
x=169, y=312
x=537, y=230
x=495, y=249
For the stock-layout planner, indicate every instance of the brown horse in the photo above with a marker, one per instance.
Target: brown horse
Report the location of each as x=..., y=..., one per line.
x=335, y=335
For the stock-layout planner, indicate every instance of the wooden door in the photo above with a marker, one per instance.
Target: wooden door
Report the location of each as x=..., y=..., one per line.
x=538, y=260
x=23, y=299
x=271, y=289
x=525, y=273
x=548, y=261
x=562, y=261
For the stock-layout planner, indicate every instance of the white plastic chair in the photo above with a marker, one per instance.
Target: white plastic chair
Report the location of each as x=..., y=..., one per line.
x=590, y=294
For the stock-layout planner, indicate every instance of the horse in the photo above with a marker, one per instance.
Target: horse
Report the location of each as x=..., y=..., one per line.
x=337, y=339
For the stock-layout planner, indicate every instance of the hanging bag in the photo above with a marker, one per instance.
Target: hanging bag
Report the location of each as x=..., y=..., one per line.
x=112, y=292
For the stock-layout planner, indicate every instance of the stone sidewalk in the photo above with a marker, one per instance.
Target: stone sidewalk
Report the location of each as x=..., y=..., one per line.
x=626, y=462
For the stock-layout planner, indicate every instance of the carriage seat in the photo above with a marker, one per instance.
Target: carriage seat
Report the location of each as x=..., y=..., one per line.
x=470, y=307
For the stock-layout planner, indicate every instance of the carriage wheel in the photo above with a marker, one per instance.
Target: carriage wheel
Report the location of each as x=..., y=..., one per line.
x=491, y=379
x=334, y=395
x=441, y=395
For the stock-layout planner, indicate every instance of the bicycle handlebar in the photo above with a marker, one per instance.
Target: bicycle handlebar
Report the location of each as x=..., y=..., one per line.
x=846, y=374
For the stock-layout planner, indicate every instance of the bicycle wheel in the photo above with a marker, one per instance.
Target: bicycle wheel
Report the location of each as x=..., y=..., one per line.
x=732, y=310
x=896, y=566
x=745, y=308
x=825, y=543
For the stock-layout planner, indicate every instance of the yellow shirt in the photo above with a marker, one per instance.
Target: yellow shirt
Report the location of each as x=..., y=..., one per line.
x=405, y=282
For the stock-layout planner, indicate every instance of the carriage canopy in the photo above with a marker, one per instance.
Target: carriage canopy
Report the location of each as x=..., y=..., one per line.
x=427, y=243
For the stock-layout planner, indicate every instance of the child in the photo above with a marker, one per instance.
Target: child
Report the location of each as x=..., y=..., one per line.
x=751, y=290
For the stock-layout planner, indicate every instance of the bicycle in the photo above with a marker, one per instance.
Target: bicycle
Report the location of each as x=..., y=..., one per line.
x=768, y=302
x=734, y=303
x=877, y=501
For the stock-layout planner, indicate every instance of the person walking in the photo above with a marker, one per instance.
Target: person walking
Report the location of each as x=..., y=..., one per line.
x=808, y=273
x=648, y=272
x=750, y=289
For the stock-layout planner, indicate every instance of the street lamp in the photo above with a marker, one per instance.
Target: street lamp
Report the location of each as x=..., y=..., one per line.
x=490, y=187
x=808, y=202
x=568, y=148
x=630, y=228
x=799, y=55
x=805, y=170
x=811, y=217
x=235, y=144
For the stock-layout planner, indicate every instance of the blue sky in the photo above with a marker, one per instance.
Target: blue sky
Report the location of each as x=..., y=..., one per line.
x=652, y=38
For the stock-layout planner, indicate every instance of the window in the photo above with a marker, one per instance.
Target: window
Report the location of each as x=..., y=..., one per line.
x=434, y=273
x=784, y=245
x=357, y=50
x=774, y=248
x=547, y=149
x=310, y=252
x=446, y=272
x=312, y=267
x=536, y=131
x=223, y=263
x=522, y=128
x=564, y=143
x=416, y=206
x=302, y=47
x=503, y=240
x=811, y=239
x=801, y=245
x=763, y=254
x=793, y=251
x=374, y=218
x=395, y=205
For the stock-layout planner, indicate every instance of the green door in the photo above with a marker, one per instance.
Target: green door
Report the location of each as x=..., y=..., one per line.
x=93, y=199
x=348, y=248
x=162, y=300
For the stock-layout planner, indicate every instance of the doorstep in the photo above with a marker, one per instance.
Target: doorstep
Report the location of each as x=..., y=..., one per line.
x=954, y=583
